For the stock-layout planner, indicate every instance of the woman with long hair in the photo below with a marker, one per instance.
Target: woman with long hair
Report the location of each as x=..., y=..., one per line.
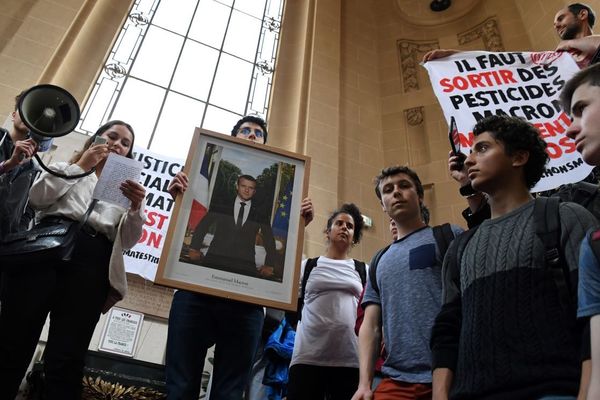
x=76, y=291
x=325, y=358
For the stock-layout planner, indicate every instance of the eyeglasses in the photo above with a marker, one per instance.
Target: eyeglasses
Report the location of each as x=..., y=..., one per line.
x=247, y=131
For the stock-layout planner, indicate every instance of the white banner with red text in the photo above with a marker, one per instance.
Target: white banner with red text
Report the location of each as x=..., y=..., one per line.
x=157, y=173
x=474, y=84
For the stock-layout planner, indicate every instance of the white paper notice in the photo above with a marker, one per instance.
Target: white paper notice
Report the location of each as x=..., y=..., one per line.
x=117, y=170
x=121, y=332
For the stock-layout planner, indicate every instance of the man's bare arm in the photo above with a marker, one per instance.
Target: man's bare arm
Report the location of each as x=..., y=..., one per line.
x=369, y=344
x=442, y=381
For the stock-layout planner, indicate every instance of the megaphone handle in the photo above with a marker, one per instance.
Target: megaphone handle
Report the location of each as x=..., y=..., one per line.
x=22, y=156
x=58, y=174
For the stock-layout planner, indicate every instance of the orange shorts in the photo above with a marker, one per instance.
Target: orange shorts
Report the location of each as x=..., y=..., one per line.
x=390, y=389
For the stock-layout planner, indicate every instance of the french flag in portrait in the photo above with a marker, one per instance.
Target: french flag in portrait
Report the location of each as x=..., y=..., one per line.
x=201, y=190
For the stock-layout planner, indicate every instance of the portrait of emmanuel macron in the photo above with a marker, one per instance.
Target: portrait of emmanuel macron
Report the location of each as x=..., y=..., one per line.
x=236, y=233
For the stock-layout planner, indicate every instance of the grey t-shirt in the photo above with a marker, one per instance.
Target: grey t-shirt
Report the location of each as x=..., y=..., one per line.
x=410, y=294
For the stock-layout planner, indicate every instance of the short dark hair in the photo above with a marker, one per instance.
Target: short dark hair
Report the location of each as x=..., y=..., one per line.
x=253, y=119
x=589, y=75
x=395, y=170
x=18, y=99
x=99, y=132
x=246, y=177
x=575, y=8
x=352, y=210
x=401, y=169
x=517, y=134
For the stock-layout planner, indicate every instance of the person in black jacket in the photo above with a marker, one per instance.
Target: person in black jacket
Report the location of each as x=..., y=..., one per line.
x=17, y=172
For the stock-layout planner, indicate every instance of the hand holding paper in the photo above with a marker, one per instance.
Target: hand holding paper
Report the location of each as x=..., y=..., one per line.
x=118, y=183
x=135, y=192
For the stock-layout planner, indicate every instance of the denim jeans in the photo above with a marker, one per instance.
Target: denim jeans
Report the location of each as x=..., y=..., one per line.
x=197, y=322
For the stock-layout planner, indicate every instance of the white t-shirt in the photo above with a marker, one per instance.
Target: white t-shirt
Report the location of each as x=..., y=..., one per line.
x=325, y=334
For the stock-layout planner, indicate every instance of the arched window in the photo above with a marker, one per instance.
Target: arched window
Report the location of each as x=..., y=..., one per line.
x=178, y=64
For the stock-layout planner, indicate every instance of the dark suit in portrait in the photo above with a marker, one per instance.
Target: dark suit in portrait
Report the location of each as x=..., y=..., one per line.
x=232, y=247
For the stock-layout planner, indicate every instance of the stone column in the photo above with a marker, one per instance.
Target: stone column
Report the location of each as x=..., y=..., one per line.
x=76, y=62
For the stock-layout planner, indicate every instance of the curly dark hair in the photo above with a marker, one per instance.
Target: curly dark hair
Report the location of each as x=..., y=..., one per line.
x=352, y=210
x=253, y=119
x=517, y=134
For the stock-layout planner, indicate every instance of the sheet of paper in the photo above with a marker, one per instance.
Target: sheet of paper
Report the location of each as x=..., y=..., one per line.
x=117, y=169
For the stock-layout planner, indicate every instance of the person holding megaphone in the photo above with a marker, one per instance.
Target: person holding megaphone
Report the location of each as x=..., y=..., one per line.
x=76, y=290
x=17, y=172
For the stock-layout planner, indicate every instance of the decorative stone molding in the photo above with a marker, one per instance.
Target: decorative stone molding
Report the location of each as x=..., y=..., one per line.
x=100, y=389
x=410, y=52
x=487, y=31
x=418, y=12
x=414, y=116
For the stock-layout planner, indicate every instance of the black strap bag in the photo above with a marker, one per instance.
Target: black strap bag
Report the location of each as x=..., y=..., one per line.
x=52, y=239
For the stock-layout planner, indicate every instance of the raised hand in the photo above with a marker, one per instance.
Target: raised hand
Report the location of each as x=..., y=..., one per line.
x=23, y=151
x=135, y=192
x=92, y=156
x=178, y=185
x=307, y=210
x=439, y=53
x=457, y=169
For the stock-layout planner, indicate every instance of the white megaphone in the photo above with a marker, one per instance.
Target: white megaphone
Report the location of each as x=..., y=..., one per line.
x=48, y=111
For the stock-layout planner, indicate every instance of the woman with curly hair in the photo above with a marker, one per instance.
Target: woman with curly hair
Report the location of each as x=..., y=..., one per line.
x=325, y=358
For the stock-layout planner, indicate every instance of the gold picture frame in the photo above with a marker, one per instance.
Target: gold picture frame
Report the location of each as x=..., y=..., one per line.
x=213, y=248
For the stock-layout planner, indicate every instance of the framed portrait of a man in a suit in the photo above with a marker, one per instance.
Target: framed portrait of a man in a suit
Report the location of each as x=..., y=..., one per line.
x=237, y=231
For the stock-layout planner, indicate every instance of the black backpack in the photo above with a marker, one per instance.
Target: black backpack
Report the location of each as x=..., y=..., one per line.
x=583, y=193
x=547, y=227
x=443, y=236
x=311, y=263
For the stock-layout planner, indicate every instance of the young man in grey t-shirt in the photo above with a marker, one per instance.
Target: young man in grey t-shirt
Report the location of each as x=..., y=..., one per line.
x=408, y=276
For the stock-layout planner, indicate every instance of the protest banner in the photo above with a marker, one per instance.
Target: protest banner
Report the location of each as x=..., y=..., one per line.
x=473, y=85
x=157, y=173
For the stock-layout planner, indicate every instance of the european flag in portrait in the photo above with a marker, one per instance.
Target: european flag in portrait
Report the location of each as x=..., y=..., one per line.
x=281, y=221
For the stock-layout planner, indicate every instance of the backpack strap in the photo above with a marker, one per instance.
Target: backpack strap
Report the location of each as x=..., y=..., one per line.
x=454, y=256
x=308, y=267
x=361, y=268
x=311, y=263
x=2, y=130
x=546, y=216
x=373, y=268
x=443, y=236
x=584, y=193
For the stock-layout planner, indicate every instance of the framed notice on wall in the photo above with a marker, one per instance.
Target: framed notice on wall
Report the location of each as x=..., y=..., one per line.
x=121, y=332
